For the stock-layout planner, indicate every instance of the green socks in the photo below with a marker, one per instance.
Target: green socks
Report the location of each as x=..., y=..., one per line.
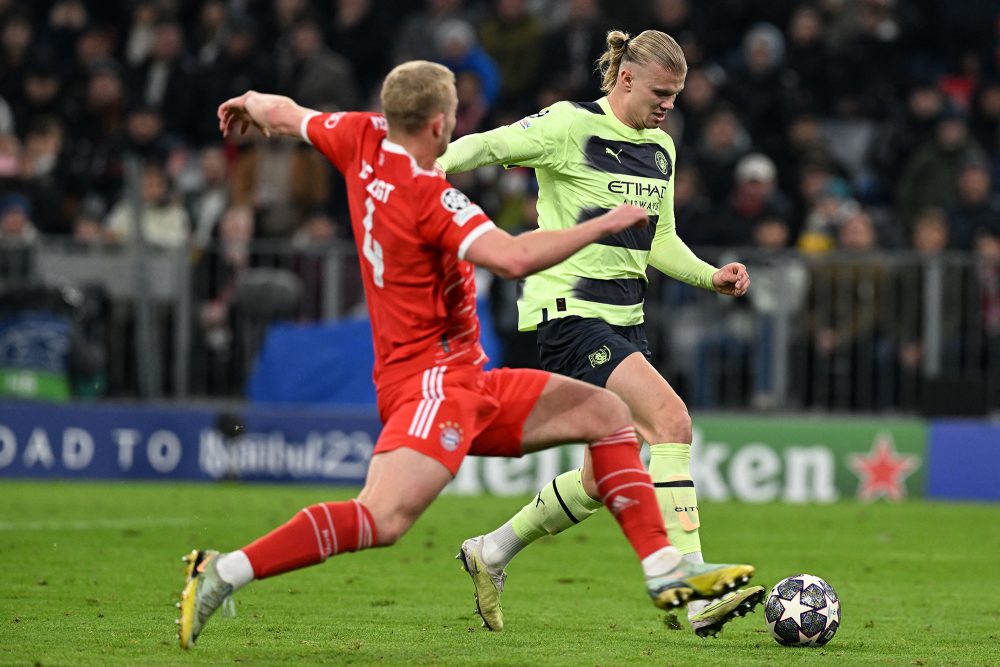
x=560, y=504
x=670, y=468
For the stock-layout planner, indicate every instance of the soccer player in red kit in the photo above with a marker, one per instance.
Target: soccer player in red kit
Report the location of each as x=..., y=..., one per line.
x=418, y=238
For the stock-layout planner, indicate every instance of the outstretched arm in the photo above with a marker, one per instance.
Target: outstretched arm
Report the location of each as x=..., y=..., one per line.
x=530, y=142
x=518, y=256
x=271, y=114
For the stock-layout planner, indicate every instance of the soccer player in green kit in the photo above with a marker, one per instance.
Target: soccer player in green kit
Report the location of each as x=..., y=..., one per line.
x=588, y=311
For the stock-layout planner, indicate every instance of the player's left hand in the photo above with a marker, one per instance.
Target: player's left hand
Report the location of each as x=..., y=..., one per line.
x=732, y=279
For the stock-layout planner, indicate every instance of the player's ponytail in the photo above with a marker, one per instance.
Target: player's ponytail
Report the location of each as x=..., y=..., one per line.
x=649, y=46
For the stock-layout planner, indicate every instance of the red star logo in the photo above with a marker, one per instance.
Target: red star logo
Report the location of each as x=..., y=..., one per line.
x=883, y=472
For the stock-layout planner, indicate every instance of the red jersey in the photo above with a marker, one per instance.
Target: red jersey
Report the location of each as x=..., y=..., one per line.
x=412, y=229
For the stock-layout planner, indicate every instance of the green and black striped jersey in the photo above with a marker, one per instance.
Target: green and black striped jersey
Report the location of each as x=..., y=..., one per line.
x=587, y=162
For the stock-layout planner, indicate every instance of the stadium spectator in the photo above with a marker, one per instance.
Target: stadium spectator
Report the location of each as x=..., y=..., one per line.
x=807, y=58
x=163, y=221
x=210, y=32
x=930, y=238
x=316, y=75
x=88, y=226
x=40, y=96
x=412, y=41
x=513, y=39
x=570, y=51
x=208, y=197
x=166, y=78
x=781, y=284
x=281, y=181
x=698, y=102
x=354, y=24
x=285, y=15
x=906, y=129
x=986, y=116
x=987, y=255
x=241, y=64
x=693, y=212
x=16, y=37
x=144, y=134
x=930, y=176
x=458, y=49
x=44, y=176
x=850, y=323
x=761, y=67
x=11, y=163
x=472, y=106
x=722, y=143
x=501, y=413
x=67, y=20
x=219, y=271
x=141, y=33
x=805, y=148
x=16, y=226
x=976, y=206
x=755, y=196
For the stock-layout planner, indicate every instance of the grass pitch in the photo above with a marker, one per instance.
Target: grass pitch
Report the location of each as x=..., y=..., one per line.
x=92, y=571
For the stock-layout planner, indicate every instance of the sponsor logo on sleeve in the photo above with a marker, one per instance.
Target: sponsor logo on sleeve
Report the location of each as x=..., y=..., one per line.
x=332, y=120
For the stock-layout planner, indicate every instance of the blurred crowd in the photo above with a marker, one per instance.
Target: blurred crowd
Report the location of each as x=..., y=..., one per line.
x=810, y=124
x=856, y=126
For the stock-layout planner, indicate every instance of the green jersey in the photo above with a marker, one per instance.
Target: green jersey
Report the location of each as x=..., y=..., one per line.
x=587, y=162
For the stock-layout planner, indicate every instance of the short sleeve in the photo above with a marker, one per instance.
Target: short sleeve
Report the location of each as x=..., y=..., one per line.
x=453, y=221
x=338, y=135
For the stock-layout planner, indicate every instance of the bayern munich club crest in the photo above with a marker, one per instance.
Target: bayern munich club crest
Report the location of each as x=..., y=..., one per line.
x=451, y=436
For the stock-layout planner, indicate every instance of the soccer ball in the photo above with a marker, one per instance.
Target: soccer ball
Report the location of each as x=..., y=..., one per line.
x=802, y=610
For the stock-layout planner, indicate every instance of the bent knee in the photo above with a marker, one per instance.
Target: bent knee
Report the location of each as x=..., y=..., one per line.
x=672, y=425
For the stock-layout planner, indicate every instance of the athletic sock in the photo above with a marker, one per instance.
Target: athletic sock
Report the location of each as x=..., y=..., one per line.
x=670, y=468
x=558, y=505
x=234, y=568
x=627, y=490
x=311, y=536
x=500, y=546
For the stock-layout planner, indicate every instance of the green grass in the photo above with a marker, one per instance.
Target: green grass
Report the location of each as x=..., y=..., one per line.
x=92, y=572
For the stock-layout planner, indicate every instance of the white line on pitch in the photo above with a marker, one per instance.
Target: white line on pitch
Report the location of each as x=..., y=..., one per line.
x=92, y=524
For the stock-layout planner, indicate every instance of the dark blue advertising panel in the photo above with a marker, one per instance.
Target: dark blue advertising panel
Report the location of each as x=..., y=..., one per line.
x=261, y=443
x=964, y=461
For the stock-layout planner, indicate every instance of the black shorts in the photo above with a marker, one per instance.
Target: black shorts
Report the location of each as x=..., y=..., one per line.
x=587, y=348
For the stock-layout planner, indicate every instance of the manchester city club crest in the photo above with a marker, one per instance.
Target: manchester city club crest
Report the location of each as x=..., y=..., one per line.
x=600, y=356
x=661, y=162
x=451, y=436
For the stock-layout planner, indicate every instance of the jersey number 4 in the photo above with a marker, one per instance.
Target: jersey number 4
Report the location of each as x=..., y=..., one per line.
x=372, y=249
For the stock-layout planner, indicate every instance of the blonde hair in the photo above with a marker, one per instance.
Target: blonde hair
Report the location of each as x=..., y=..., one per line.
x=414, y=91
x=649, y=46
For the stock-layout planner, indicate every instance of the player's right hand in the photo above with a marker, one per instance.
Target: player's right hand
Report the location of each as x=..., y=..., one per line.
x=234, y=111
x=624, y=216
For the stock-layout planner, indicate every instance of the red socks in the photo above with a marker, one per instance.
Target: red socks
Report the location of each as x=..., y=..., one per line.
x=627, y=490
x=311, y=536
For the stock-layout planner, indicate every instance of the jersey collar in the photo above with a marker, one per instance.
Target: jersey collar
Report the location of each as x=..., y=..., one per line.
x=614, y=120
x=393, y=147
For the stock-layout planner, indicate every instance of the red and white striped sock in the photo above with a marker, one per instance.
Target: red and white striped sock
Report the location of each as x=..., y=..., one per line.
x=627, y=490
x=311, y=536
